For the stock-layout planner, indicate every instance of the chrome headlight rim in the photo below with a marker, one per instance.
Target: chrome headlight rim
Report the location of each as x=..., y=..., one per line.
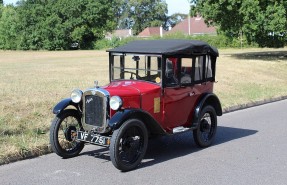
x=76, y=95
x=115, y=102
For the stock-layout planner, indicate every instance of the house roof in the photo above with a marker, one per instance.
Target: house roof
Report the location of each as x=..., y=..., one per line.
x=167, y=47
x=119, y=33
x=197, y=26
x=151, y=31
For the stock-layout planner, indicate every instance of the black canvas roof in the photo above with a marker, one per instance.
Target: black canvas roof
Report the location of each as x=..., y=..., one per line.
x=167, y=47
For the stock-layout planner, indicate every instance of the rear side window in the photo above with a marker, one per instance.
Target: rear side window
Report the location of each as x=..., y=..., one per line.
x=189, y=71
x=208, y=68
x=198, y=72
x=186, y=71
x=204, y=69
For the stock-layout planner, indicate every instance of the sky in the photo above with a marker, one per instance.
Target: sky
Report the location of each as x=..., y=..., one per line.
x=174, y=6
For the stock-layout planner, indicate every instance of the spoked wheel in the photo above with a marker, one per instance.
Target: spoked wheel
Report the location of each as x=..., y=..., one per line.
x=128, y=145
x=63, y=134
x=205, y=133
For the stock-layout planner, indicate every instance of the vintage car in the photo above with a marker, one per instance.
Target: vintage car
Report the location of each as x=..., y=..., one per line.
x=157, y=87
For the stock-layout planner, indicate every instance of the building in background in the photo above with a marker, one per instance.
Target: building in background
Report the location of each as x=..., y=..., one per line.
x=193, y=26
x=189, y=26
x=152, y=31
x=121, y=34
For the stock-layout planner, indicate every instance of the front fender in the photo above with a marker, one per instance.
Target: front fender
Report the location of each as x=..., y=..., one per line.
x=121, y=116
x=207, y=99
x=63, y=104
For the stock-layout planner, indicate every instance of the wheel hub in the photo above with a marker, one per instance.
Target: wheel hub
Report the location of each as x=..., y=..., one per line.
x=132, y=142
x=71, y=133
x=204, y=126
x=135, y=142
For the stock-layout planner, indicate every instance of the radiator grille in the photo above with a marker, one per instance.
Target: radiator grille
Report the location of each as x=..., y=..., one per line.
x=94, y=110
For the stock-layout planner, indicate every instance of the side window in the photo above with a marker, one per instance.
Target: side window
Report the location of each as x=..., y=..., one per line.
x=186, y=71
x=171, y=71
x=208, y=69
x=198, y=76
x=203, y=69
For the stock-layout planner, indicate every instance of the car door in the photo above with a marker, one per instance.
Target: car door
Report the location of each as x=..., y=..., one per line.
x=179, y=97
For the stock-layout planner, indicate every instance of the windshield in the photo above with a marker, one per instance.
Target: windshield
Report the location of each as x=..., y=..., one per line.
x=136, y=67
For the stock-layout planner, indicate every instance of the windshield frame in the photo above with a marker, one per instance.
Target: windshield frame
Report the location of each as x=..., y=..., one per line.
x=148, y=70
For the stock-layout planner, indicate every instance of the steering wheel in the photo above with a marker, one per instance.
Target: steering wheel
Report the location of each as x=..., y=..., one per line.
x=132, y=73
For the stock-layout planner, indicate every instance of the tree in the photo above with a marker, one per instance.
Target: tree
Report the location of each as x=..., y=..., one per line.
x=54, y=25
x=9, y=22
x=1, y=8
x=176, y=18
x=139, y=14
x=121, y=9
x=1, y=2
x=145, y=13
x=264, y=21
x=32, y=14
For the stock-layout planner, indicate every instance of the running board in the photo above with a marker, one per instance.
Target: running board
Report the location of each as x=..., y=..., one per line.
x=182, y=129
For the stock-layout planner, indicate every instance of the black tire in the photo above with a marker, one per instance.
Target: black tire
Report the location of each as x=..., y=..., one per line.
x=63, y=134
x=207, y=126
x=128, y=145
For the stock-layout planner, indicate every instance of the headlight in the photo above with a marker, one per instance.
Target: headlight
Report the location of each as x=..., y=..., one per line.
x=116, y=102
x=76, y=95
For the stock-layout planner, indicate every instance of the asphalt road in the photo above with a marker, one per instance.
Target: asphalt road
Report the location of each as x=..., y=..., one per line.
x=250, y=148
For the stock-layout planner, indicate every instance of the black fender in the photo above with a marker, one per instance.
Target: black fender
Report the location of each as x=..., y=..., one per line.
x=63, y=104
x=152, y=125
x=206, y=99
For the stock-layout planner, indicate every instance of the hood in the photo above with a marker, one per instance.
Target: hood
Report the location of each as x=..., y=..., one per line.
x=128, y=88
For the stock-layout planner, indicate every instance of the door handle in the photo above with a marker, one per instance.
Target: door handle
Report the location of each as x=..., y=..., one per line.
x=191, y=93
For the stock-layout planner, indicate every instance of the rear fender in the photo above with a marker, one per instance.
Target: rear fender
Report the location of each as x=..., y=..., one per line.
x=64, y=104
x=152, y=125
x=206, y=99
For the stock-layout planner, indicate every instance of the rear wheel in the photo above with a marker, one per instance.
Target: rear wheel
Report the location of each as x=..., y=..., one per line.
x=128, y=145
x=206, y=130
x=63, y=133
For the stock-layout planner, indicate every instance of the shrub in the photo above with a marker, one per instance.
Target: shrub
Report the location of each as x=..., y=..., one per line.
x=219, y=41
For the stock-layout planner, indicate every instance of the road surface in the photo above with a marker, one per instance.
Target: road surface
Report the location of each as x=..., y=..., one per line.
x=250, y=148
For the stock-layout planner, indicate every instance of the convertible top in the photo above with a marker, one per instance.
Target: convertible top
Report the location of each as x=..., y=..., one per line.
x=167, y=47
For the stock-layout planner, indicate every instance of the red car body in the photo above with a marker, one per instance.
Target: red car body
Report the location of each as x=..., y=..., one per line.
x=174, y=101
x=156, y=87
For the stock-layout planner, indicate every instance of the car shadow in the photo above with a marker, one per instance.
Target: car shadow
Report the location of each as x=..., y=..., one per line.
x=170, y=147
x=264, y=55
x=165, y=148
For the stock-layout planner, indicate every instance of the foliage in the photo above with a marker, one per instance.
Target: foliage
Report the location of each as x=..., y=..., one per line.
x=55, y=25
x=264, y=22
x=219, y=41
x=176, y=18
x=121, y=11
x=139, y=14
x=9, y=22
x=114, y=42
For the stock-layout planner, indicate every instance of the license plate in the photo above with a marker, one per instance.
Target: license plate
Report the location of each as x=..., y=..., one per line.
x=93, y=138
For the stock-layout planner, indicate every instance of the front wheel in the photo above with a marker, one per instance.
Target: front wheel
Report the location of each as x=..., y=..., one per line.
x=129, y=144
x=206, y=130
x=63, y=133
